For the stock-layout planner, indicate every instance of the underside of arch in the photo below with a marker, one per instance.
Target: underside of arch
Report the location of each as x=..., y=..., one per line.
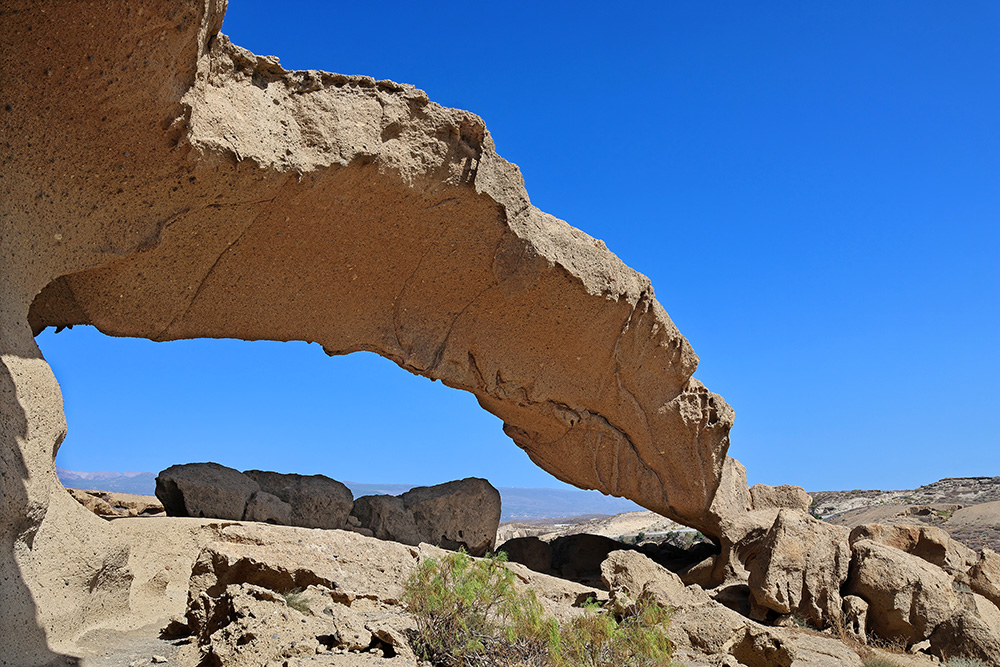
x=167, y=184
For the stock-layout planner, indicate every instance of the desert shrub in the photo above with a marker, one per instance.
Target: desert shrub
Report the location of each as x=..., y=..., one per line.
x=964, y=662
x=295, y=600
x=469, y=614
x=879, y=662
x=633, y=635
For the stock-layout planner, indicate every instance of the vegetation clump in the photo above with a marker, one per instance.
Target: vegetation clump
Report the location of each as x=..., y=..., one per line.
x=470, y=614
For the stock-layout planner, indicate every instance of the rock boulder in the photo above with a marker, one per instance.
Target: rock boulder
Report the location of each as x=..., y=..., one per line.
x=206, y=490
x=315, y=501
x=801, y=566
x=908, y=598
x=460, y=514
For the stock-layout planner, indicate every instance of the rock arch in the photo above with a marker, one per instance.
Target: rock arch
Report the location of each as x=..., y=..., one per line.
x=159, y=181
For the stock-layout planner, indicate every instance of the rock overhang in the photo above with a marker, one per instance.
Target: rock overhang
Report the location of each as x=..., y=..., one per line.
x=161, y=182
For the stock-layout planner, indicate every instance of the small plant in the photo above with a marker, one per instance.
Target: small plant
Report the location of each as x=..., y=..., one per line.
x=469, y=614
x=640, y=538
x=297, y=601
x=879, y=662
x=600, y=637
x=964, y=662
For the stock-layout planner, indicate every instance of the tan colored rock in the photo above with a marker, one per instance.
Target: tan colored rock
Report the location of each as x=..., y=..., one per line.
x=197, y=201
x=800, y=568
x=984, y=577
x=699, y=626
x=785, y=496
x=315, y=501
x=283, y=558
x=856, y=618
x=907, y=596
x=206, y=490
x=93, y=502
x=972, y=632
x=927, y=542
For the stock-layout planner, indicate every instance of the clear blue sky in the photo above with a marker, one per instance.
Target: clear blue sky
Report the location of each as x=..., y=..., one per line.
x=813, y=188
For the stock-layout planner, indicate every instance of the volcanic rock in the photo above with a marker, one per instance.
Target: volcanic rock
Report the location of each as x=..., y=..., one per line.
x=907, y=596
x=777, y=497
x=207, y=490
x=460, y=514
x=529, y=551
x=316, y=501
x=802, y=564
x=161, y=182
x=927, y=542
x=984, y=577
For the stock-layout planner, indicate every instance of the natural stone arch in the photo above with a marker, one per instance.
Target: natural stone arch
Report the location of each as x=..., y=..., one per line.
x=167, y=184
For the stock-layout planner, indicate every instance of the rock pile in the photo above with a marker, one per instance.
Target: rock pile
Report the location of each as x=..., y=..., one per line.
x=460, y=514
x=776, y=566
x=113, y=504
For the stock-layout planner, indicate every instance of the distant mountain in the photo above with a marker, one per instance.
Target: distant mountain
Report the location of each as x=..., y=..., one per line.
x=516, y=503
x=142, y=483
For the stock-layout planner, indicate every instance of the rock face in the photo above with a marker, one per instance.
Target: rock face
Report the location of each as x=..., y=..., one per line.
x=111, y=504
x=927, y=542
x=802, y=565
x=206, y=490
x=205, y=184
x=907, y=597
x=315, y=501
x=464, y=513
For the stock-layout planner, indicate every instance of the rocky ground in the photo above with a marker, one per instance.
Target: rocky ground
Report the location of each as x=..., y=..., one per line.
x=967, y=508
x=247, y=593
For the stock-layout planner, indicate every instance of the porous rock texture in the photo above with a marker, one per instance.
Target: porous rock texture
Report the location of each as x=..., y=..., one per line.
x=461, y=514
x=158, y=181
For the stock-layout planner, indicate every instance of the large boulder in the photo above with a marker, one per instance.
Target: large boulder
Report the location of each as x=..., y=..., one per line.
x=206, y=490
x=461, y=514
x=803, y=562
x=701, y=627
x=908, y=598
x=532, y=552
x=579, y=557
x=387, y=519
x=984, y=577
x=972, y=631
x=928, y=542
x=464, y=513
x=315, y=501
x=785, y=496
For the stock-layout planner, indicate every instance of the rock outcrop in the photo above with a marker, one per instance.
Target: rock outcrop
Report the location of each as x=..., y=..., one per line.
x=802, y=565
x=460, y=514
x=160, y=182
x=113, y=504
x=314, y=501
x=207, y=490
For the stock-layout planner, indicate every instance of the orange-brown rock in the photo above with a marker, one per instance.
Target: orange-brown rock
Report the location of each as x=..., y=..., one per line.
x=158, y=181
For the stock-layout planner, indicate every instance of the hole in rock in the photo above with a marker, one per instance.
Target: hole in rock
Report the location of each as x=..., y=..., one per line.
x=134, y=406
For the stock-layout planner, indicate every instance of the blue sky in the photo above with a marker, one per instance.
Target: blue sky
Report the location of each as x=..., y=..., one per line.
x=813, y=188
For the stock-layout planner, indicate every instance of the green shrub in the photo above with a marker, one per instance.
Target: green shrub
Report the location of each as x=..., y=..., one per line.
x=879, y=662
x=295, y=600
x=469, y=614
x=601, y=637
x=964, y=662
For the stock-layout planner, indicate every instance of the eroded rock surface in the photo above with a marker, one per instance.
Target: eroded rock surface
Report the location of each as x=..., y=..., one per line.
x=160, y=182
